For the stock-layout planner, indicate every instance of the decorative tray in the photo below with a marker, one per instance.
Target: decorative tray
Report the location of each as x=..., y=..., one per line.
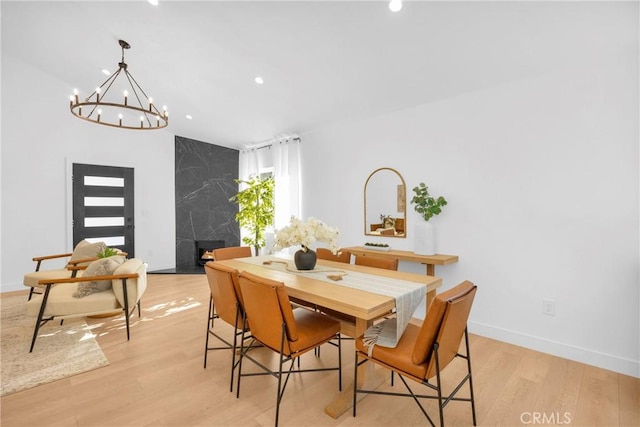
x=377, y=248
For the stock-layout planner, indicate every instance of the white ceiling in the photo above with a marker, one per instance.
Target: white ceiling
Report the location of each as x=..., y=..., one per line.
x=322, y=61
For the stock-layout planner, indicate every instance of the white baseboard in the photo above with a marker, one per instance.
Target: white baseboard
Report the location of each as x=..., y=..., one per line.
x=578, y=354
x=11, y=287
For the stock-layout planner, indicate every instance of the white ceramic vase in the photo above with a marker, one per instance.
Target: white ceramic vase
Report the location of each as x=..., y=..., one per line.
x=424, y=238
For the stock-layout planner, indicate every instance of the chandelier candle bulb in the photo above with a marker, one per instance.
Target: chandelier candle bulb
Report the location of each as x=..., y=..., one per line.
x=150, y=104
x=126, y=94
x=120, y=119
x=99, y=114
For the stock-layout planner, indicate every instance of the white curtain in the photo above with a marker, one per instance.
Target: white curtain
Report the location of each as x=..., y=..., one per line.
x=249, y=164
x=286, y=171
x=285, y=158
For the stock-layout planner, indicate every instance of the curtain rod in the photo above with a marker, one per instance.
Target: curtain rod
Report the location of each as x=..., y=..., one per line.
x=269, y=142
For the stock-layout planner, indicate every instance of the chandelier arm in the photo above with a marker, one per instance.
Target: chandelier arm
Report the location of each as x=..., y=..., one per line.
x=135, y=92
x=112, y=78
x=152, y=107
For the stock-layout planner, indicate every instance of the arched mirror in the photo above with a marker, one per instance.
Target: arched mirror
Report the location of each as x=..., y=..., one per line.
x=385, y=211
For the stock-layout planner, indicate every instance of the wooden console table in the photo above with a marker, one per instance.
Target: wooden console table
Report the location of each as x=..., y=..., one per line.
x=429, y=260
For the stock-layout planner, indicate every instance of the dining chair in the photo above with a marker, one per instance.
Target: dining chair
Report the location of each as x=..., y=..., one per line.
x=378, y=262
x=424, y=351
x=225, y=293
x=289, y=333
x=221, y=254
x=342, y=256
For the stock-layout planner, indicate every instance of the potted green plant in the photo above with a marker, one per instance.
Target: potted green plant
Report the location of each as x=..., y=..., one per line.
x=255, y=209
x=427, y=206
x=107, y=252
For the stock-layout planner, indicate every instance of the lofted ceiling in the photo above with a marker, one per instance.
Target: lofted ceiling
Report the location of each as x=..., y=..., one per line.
x=322, y=61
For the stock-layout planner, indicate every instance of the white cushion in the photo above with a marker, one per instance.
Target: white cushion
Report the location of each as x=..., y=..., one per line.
x=84, y=249
x=62, y=303
x=99, y=267
x=135, y=287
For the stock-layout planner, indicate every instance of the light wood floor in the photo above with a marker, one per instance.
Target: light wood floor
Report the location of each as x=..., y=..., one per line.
x=157, y=379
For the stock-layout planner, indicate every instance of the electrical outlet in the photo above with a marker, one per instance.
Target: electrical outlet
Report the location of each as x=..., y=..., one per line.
x=549, y=307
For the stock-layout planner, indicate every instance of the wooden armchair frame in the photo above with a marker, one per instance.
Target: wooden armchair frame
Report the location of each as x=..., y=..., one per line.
x=72, y=266
x=50, y=283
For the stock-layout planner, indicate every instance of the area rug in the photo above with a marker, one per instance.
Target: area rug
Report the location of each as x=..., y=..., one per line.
x=60, y=351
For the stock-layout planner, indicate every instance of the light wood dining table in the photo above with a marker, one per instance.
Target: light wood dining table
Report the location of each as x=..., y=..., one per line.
x=359, y=309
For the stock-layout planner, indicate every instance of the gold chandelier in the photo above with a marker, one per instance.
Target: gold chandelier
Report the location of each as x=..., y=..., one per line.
x=136, y=111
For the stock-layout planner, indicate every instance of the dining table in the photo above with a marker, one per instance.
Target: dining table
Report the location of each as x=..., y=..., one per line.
x=336, y=287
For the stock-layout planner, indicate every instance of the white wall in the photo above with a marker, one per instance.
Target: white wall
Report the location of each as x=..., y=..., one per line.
x=542, y=180
x=40, y=139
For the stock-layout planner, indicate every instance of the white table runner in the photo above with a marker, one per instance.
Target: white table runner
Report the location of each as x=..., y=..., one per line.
x=408, y=295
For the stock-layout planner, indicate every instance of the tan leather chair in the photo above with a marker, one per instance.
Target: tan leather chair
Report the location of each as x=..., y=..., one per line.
x=378, y=262
x=288, y=332
x=231, y=252
x=225, y=294
x=424, y=351
x=220, y=254
x=343, y=256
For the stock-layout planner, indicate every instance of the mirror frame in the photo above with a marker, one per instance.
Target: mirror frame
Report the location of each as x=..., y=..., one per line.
x=400, y=198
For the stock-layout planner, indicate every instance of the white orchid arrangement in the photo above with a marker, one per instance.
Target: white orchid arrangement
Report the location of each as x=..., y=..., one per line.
x=305, y=233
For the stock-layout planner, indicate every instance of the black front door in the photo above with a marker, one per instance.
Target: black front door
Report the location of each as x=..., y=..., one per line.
x=103, y=206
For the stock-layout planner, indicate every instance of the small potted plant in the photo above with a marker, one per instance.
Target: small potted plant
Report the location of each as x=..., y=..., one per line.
x=427, y=206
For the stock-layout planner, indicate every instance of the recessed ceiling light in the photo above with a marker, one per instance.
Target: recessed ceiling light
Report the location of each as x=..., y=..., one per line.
x=153, y=2
x=395, y=5
x=106, y=72
x=189, y=117
x=259, y=80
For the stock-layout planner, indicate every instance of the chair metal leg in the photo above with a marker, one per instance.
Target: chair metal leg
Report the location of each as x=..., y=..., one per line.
x=206, y=342
x=244, y=322
x=212, y=309
x=439, y=388
x=40, y=316
x=473, y=404
x=355, y=384
x=126, y=305
x=339, y=362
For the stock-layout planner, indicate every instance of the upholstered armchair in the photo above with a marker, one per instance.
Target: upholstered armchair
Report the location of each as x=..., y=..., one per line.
x=90, y=295
x=83, y=254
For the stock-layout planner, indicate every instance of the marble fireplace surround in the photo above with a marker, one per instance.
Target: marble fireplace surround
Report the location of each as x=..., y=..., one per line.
x=204, y=182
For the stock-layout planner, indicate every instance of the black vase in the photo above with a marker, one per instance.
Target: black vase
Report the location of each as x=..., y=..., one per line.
x=305, y=260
